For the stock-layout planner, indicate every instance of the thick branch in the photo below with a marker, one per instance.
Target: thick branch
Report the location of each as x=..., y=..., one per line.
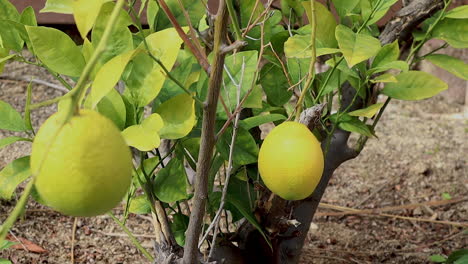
x=401, y=26
x=207, y=140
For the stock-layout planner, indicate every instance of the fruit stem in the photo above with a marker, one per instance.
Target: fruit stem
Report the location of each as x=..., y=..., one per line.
x=132, y=238
x=310, y=78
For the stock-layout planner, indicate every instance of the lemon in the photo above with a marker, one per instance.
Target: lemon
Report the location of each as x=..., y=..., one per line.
x=291, y=161
x=82, y=168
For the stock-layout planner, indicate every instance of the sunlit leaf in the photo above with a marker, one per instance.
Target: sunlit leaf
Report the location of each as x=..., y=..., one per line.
x=386, y=54
x=144, y=136
x=12, y=175
x=368, y=112
x=171, y=182
x=113, y=107
x=414, y=85
x=85, y=13
x=460, y=12
x=140, y=205
x=58, y=6
x=453, y=65
x=356, y=47
x=454, y=31
x=384, y=78
x=326, y=25
x=56, y=50
x=10, y=140
x=10, y=119
x=178, y=115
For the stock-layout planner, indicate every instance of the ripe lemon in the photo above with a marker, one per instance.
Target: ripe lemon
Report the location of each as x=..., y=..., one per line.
x=83, y=168
x=291, y=161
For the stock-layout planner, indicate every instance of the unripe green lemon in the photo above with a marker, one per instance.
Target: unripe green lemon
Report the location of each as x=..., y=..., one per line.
x=291, y=161
x=83, y=168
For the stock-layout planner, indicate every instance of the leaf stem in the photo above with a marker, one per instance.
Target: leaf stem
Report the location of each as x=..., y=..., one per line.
x=234, y=20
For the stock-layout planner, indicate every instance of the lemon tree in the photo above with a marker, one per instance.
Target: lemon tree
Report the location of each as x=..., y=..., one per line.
x=168, y=106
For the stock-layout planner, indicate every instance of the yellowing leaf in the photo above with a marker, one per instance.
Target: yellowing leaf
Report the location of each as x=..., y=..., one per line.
x=368, y=112
x=109, y=75
x=356, y=47
x=326, y=25
x=385, y=78
x=178, y=114
x=144, y=136
x=58, y=6
x=85, y=13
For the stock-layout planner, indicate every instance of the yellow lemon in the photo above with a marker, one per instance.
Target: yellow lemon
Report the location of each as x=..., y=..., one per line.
x=291, y=161
x=84, y=167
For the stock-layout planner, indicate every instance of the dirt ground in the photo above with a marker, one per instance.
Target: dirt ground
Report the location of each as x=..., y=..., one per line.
x=420, y=153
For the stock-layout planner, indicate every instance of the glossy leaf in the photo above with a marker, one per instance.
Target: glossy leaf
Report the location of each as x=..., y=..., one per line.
x=120, y=40
x=326, y=25
x=368, y=112
x=171, y=182
x=109, y=74
x=357, y=126
x=386, y=54
x=85, y=13
x=454, y=31
x=256, y=121
x=144, y=136
x=10, y=140
x=414, y=85
x=234, y=64
x=147, y=78
x=58, y=6
x=56, y=50
x=12, y=175
x=356, y=47
x=275, y=85
x=112, y=106
x=453, y=65
x=140, y=205
x=178, y=115
x=460, y=12
x=245, y=148
x=10, y=119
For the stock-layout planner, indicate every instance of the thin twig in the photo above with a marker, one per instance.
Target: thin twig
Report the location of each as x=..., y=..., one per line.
x=72, y=253
x=32, y=79
x=122, y=235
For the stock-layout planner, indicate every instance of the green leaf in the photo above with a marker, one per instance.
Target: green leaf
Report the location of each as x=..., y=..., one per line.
x=356, y=47
x=326, y=25
x=234, y=64
x=398, y=65
x=10, y=39
x=140, y=205
x=249, y=216
x=460, y=12
x=381, y=10
x=179, y=225
x=254, y=100
x=386, y=54
x=345, y=7
x=147, y=77
x=275, y=85
x=178, y=115
x=112, y=106
x=12, y=175
x=453, y=65
x=151, y=12
x=10, y=119
x=120, y=40
x=8, y=11
x=256, y=121
x=149, y=165
x=437, y=258
x=414, y=85
x=458, y=256
x=145, y=136
x=56, y=50
x=195, y=9
x=28, y=17
x=446, y=196
x=85, y=13
x=368, y=112
x=353, y=124
x=4, y=57
x=454, y=31
x=298, y=46
x=109, y=74
x=171, y=182
x=335, y=81
x=4, y=244
x=5, y=261
x=245, y=148
x=10, y=140
x=384, y=78
x=58, y=6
